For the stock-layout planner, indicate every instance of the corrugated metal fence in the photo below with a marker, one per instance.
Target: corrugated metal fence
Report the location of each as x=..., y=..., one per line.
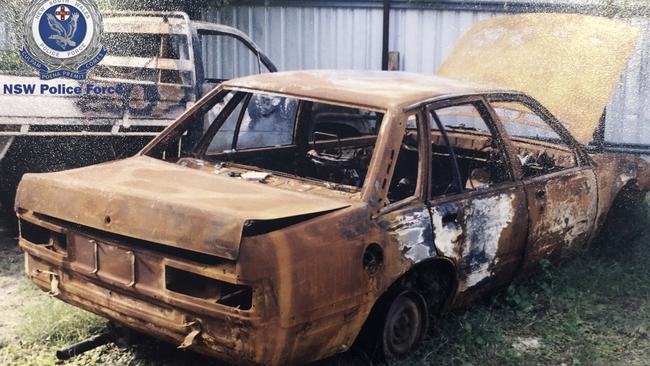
x=305, y=37
x=4, y=33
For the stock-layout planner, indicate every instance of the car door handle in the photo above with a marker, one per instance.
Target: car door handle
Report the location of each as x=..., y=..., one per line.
x=541, y=194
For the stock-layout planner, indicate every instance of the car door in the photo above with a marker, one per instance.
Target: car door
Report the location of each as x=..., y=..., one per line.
x=560, y=184
x=478, y=210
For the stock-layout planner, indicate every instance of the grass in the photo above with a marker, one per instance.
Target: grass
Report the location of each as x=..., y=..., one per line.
x=593, y=310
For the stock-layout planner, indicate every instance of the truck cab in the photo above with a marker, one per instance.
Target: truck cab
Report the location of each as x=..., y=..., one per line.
x=163, y=62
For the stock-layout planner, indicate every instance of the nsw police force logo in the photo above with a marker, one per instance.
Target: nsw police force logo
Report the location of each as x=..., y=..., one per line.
x=62, y=38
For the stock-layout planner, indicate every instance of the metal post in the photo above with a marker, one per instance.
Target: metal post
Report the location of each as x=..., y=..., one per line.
x=386, y=34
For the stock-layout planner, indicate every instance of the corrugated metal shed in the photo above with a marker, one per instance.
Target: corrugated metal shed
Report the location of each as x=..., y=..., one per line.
x=310, y=37
x=628, y=113
x=348, y=35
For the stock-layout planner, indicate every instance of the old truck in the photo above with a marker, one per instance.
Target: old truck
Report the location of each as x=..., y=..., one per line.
x=321, y=207
x=163, y=61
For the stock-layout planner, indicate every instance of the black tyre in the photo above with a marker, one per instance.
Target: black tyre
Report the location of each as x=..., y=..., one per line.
x=404, y=326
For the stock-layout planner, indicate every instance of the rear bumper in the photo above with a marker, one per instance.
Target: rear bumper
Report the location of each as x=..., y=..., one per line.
x=224, y=335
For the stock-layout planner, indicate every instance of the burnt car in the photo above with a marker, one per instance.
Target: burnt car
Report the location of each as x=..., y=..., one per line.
x=318, y=206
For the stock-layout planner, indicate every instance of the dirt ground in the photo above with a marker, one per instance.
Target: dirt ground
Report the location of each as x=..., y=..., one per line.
x=594, y=310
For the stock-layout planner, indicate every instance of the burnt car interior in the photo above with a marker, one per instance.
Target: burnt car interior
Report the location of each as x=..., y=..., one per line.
x=461, y=137
x=479, y=158
x=539, y=148
x=313, y=140
x=404, y=181
x=334, y=144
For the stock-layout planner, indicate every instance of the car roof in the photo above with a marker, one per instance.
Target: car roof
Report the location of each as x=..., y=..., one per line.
x=371, y=89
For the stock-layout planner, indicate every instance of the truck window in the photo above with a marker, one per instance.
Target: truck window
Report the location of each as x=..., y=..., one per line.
x=226, y=57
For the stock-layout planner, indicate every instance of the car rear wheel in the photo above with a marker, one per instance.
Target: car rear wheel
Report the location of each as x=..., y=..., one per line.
x=404, y=325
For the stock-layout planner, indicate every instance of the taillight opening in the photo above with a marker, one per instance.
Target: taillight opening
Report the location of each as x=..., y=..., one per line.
x=206, y=288
x=43, y=236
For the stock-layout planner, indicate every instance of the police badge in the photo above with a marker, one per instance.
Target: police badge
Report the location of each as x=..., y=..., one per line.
x=63, y=38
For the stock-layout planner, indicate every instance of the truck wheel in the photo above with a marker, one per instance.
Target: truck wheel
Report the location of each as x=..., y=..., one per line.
x=404, y=325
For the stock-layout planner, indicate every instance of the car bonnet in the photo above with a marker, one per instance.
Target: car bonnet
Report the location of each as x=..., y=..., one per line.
x=570, y=63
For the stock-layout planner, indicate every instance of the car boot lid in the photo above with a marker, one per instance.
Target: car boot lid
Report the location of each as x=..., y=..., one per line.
x=148, y=199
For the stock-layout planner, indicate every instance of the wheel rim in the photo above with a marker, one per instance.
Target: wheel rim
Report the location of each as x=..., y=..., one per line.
x=404, y=325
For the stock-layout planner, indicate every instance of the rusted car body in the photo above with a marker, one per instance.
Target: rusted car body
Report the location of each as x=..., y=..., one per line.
x=320, y=205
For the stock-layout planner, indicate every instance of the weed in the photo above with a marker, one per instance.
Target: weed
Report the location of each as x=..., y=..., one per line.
x=55, y=323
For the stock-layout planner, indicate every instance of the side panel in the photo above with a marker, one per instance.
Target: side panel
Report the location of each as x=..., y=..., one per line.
x=562, y=211
x=315, y=284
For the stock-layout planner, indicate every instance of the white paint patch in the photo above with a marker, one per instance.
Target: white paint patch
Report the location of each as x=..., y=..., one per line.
x=628, y=171
x=485, y=221
x=446, y=235
x=567, y=218
x=411, y=231
x=570, y=220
